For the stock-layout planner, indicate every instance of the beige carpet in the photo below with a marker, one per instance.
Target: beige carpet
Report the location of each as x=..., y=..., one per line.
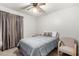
x=15, y=52
x=10, y=52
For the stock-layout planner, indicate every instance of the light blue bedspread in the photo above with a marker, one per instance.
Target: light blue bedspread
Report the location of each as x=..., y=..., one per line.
x=37, y=46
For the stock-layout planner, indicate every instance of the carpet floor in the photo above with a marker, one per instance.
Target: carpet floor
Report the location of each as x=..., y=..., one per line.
x=15, y=52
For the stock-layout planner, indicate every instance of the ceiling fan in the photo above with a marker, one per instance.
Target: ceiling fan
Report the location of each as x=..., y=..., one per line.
x=34, y=6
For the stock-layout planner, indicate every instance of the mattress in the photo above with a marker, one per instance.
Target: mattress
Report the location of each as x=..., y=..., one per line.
x=37, y=46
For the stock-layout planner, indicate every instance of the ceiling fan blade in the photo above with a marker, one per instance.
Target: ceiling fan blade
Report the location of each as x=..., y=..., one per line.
x=40, y=4
x=40, y=9
x=26, y=7
x=29, y=8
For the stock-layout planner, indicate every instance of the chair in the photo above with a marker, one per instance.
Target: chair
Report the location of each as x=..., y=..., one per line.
x=67, y=45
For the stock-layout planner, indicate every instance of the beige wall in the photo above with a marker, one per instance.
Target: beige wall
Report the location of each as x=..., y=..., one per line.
x=65, y=21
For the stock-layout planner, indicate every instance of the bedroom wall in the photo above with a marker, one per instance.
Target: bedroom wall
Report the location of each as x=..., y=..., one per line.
x=65, y=21
x=29, y=22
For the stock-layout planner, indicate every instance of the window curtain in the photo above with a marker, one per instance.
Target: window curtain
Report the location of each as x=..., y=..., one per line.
x=12, y=29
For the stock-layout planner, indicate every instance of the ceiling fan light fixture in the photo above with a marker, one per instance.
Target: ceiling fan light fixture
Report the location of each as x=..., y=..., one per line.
x=35, y=4
x=35, y=10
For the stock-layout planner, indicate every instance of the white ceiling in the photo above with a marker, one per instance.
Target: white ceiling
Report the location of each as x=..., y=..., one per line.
x=48, y=8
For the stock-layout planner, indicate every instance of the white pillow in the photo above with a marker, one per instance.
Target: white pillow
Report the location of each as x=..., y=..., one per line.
x=50, y=34
x=54, y=34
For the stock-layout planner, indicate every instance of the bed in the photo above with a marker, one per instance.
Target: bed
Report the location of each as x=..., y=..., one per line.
x=37, y=46
x=40, y=45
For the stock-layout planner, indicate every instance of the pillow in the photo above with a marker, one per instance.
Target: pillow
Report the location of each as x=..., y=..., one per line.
x=54, y=34
x=50, y=34
x=45, y=34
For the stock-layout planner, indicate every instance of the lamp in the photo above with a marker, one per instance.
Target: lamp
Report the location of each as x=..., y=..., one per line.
x=35, y=10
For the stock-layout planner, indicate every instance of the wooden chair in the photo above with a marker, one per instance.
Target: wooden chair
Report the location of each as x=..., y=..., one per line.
x=67, y=45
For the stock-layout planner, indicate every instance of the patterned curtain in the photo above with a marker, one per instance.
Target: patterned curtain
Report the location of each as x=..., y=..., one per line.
x=12, y=29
